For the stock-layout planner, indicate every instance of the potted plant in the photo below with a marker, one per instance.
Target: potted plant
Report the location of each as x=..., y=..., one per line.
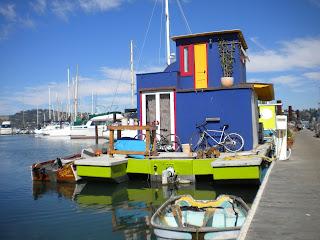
x=290, y=139
x=226, y=52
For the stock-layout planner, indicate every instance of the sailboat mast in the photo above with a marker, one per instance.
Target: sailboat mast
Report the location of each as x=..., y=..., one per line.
x=69, y=105
x=91, y=102
x=37, y=116
x=132, y=73
x=167, y=31
x=49, y=104
x=76, y=96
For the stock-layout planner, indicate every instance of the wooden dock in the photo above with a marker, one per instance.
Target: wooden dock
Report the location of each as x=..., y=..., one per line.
x=289, y=207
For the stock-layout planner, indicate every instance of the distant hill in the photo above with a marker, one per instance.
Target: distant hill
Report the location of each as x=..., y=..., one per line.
x=28, y=118
x=4, y=118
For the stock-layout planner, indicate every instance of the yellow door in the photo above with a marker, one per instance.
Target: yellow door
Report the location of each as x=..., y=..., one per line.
x=200, y=66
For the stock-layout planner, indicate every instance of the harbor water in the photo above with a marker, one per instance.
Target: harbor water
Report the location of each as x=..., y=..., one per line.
x=95, y=210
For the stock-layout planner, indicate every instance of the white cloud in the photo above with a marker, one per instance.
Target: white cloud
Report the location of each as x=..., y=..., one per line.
x=312, y=75
x=27, y=22
x=8, y=11
x=13, y=21
x=287, y=80
x=315, y=2
x=63, y=8
x=5, y=31
x=112, y=88
x=284, y=80
x=39, y=6
x=99, y=5
x=301, y=53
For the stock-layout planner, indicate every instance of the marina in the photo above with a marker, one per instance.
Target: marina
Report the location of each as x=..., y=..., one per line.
x=213, y=142
x=82, y=210
x=168, y=146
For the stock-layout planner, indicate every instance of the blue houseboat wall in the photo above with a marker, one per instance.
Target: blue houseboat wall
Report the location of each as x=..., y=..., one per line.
x=233, y=106
x=187, y=104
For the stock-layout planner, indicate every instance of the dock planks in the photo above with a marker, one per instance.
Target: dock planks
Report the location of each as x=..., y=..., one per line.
x=290, y=204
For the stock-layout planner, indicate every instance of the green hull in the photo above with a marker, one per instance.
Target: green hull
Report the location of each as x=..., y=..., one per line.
x=111, y=172
x=181, y=166
x=193, y=167
x=236, y=173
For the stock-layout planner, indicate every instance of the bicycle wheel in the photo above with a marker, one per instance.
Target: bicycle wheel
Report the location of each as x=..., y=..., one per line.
x=161, y=143
x=173, y=145
x=198, y=141
x=233, y=142
x=140, y=137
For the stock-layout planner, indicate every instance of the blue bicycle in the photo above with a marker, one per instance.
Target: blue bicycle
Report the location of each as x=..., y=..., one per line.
x=232, y=142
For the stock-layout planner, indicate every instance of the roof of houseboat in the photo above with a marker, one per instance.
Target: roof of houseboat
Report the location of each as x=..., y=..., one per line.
x=236, y=31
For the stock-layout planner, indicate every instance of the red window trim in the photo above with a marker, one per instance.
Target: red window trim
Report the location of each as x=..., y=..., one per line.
x=190, y=60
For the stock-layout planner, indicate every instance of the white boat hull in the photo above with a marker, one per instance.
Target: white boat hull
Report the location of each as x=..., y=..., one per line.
x=6, y=131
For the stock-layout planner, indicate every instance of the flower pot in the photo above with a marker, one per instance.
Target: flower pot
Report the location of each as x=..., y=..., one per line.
x=227, y=81
x=289, y=142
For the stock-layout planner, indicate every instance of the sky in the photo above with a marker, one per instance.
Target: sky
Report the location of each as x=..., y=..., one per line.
x=40, y=39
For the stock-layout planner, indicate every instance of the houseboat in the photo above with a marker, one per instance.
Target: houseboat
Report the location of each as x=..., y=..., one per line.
x=207, y=81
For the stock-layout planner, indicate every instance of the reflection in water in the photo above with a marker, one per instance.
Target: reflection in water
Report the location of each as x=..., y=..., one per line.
x=132, y=204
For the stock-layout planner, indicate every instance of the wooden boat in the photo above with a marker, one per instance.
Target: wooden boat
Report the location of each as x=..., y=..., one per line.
x=63, y=169
x=183, y=217
x=58, y=170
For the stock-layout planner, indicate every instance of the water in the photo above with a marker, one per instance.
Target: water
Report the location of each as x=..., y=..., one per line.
x=80, y=211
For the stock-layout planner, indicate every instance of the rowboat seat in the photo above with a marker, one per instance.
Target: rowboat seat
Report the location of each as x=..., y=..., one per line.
x=170, y=220
x=192, y=218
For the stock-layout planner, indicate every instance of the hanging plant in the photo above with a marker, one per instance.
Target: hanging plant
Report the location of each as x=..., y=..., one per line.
x=226, y=52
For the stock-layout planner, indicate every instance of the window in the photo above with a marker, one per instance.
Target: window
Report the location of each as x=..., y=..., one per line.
x=186, y=60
